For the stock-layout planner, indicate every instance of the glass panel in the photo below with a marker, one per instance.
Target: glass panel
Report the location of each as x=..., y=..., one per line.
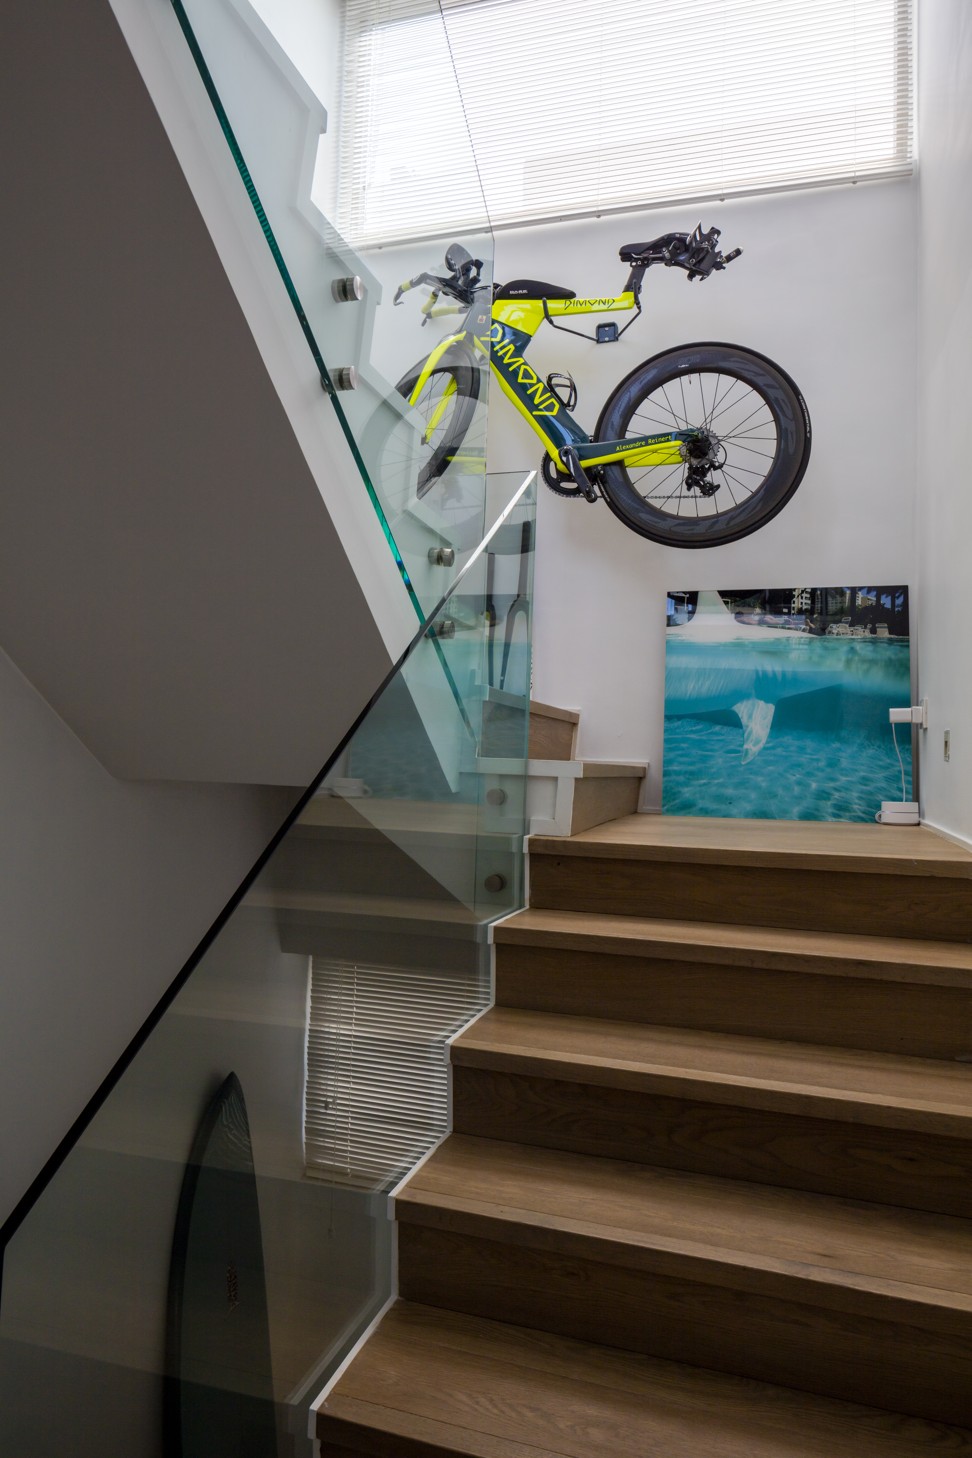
x=274, y=73
x=438, y=766
x=128, y=1273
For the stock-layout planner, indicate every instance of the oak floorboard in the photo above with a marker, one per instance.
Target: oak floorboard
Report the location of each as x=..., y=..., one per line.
x=915, y=1256
x=499, y=1391
x=903, y=1365
x=836, y=954
x=814, y=1005
x=830, y=1156
x=799, y=844
x=841, y=1083
x=928, y=905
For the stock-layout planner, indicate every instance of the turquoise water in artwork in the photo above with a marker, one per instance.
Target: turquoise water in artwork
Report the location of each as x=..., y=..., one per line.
x=793, y=727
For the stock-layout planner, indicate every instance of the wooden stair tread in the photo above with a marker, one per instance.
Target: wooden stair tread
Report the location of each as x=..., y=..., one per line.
x=365, y=812
x=570, y=769
x=897, y=959
x=878, y=1088
x=459, y=1384
x=403, y=821
x=757, y=1237
x=428, y=911
x=779, y=844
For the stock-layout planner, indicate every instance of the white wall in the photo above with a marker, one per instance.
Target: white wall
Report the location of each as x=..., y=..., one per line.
x=945, y=380
x=826, y=286
x=106, y=889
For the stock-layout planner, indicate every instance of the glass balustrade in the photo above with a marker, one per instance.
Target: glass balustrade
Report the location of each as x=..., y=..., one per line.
x=280, y=76
x=218, y=1236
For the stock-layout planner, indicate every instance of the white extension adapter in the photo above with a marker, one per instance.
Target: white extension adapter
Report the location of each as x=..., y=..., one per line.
x=898, y=812
x=917, y=714
x=903, y=812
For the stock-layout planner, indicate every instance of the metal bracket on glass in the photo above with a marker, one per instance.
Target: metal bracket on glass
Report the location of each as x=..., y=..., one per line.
x=442, y=556
x=348, y=290
x=444, y=628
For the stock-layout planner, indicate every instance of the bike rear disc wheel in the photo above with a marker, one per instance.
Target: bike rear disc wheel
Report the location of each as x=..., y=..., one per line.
x=446, y=404
x=757, y=433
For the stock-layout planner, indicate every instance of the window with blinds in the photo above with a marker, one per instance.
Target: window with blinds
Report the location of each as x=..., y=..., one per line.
x=574, y=108
x=377, y=1067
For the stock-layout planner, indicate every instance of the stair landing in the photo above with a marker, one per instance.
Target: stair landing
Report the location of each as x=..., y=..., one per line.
x=832, y=845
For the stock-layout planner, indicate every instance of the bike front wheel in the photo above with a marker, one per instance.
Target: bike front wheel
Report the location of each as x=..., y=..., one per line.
x=749, y=453
x=446, y=407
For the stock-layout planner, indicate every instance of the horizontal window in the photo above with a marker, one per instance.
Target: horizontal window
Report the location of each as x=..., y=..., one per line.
x=565, y=108
x=377, y=1067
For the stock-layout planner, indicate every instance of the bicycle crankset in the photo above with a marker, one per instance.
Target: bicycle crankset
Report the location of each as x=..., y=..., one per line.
x=560, y=484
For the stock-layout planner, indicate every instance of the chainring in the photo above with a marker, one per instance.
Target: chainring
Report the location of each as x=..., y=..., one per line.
x=560, y=483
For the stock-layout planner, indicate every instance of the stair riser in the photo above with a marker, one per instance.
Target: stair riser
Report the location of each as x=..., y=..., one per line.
x=551, y=738
x=357, y=865
x=597, y=800
x=845, y=1012
x=372, y=1443
x=854, y=1160
x=378, y=866
x=932, y=907
x=378, y=941
x=794, y=1344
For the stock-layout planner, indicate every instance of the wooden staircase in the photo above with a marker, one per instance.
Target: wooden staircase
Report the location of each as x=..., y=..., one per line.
x=709, y=1193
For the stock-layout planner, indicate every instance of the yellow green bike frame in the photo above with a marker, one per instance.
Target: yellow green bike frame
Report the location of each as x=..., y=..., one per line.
x=513, y=323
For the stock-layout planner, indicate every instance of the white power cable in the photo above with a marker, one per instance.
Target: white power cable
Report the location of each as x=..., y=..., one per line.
x=894, y=736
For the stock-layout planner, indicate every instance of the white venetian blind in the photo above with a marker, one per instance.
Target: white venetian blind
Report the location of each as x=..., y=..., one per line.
x=574, y=107
x=377, y=1067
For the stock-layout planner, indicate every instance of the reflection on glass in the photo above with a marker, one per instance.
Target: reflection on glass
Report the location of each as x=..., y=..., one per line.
x=330, y=994
x=281, y=78
x=218, y=1400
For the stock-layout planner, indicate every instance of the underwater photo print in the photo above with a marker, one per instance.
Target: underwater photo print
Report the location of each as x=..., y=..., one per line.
x=776, y=702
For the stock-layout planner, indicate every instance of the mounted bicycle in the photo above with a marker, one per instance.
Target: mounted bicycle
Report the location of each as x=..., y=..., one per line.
x=698, y=446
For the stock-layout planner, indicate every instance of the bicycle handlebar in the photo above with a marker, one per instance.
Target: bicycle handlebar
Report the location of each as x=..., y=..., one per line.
x=696, y=252
x=700, y=255
x=462, y=283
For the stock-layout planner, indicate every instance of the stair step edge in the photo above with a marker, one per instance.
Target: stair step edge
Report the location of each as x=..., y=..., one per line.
x=480, y=1048
x=897, y=959
x=853, y=1292
x=568, y=769
x=618, y=1403
x=914, y=851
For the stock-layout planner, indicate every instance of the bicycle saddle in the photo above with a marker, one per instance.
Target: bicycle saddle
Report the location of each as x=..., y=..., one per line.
x=532, y=288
